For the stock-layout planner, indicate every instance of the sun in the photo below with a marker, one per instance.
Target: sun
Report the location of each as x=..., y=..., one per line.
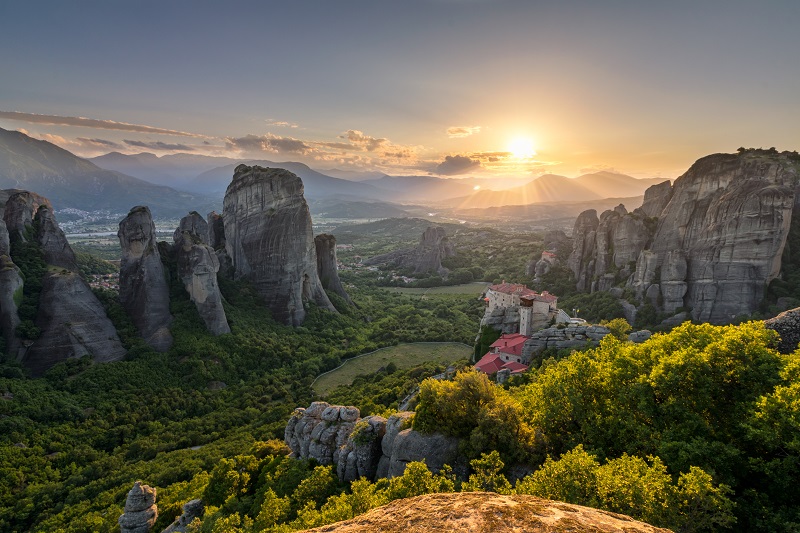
x=521, y=148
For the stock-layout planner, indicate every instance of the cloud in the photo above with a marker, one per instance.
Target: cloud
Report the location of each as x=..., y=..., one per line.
x=99, y=143
x=462, y=131
x=457, y=164
x=267, y=143
x=56, y=120
x=158, y=145
x=283, y=123
x=365, y=142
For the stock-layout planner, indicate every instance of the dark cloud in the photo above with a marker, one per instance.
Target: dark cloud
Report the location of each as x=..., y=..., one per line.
x=158, y=145
x=457, y=164
x=103, y=143
x=267, y=143
x=365, y=142
x=55, y=120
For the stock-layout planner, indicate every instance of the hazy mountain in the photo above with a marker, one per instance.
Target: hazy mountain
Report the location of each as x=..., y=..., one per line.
x=427, y=189
x=316, y=184
x=614, y=185
x=176, y=170
x=352, y=175
x=550, y=188
x=334, y=208
x=70, y=181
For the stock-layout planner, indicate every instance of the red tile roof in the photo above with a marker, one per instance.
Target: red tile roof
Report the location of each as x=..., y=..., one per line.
x=510, y=344
x=489, y=363
x=523, y=292
x=516, y=368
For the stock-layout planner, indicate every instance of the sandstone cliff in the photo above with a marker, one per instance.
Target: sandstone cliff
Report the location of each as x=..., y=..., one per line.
x=143, y=290
x=427, y=256
x=197, y=267
x=327, y=265
x=717, y=242
x=486, y=512
x=269, y=238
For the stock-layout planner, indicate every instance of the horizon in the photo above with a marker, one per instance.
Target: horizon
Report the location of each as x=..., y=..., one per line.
x=448, y=88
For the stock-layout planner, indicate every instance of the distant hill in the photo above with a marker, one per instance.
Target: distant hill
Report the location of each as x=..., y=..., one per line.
x=70, y=181
x=316, y=184
x=176, y=170
x=426, y=189
x=352, y=175
x=334, y=208
x=550, y=188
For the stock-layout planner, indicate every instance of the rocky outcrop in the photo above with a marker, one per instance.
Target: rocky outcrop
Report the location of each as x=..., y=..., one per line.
x=56, y=249
x=560, y=338
x=427, y=256
x=787, y=324
x=191, y=510
x=319, y=431
x=486, y=512
x=503, y=319
x=141, y=510
x=10, y=296
x=20, y=208
x=269, y=239
x=716, y=244
x=197, y=267
x=143, y=290
x=370, y=447
x=73, y=324
x=216, y=231
x=327, y=268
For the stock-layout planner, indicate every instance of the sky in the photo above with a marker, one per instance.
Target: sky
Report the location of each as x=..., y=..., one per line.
x=453, y=88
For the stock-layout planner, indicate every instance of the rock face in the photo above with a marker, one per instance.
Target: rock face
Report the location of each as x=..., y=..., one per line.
x=269, y=239
x=559, y=338
x=715, y=246
x=191, y=510
x=787, y=324
x=10, y=295
x=72, y=322
x=486, y=512
x=370, y=447
x=141, y=510
x=327, y=270
x=197, y=267
x=143, y=289
x=427, y=256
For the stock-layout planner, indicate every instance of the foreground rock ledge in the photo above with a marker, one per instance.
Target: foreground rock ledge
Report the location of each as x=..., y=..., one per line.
x=478, y=512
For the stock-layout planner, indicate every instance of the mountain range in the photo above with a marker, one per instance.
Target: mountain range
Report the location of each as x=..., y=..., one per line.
x=175, y=184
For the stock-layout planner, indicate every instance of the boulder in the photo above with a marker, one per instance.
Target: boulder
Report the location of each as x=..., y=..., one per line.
x=191, y=510
x=143, y=289
x=640, y=336
x=361, y=453
x=319, y=431
x=787, y=324
x=141, y=511
x=427, y=256
x=269, y=239
x=409, y=445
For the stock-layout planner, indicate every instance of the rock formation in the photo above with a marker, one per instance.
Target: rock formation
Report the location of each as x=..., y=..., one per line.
x=191, y=510
x=72, y=322
x=715, y=246
x=559, y=338
x=370, y=447
x=141, y=510
x=10, y=296
x=216, y=231
x=197, y=267
x=427, y=256
x=143, y=290
x=269, y=238
x=486, y=512
x=327, y=269
x=787, y=324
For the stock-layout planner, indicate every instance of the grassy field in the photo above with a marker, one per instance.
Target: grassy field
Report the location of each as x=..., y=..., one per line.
x=403, y=355
x=468, y=288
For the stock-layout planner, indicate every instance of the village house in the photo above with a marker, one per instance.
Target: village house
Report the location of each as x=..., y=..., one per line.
x=504, y=353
